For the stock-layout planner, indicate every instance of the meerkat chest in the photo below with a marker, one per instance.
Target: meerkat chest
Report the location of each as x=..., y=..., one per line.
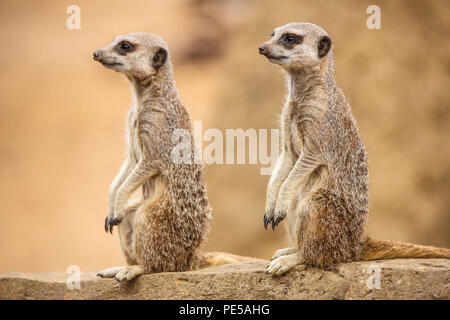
x=133, y=135
x=293, y=137
x=296, y=139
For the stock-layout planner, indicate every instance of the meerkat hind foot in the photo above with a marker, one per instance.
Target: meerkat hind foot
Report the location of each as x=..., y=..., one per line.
x=283, y=264
x=284, y=252
x=110, y=272
x=129, y=273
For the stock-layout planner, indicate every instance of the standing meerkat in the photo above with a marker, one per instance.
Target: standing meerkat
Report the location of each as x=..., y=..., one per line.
x=162, y=231
x=320, y=181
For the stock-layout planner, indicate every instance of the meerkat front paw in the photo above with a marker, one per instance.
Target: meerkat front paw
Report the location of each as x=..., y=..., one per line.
x=270, y=212
x=114, y=219
x=268, y=218
x=110, y=222
x=279, y=214
x=274, y=217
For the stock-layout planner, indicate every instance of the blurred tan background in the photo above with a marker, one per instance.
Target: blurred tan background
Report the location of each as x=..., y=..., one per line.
x=62, y=117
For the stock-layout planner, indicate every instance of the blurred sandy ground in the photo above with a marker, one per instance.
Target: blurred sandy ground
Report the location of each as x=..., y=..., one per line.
x=62, y=117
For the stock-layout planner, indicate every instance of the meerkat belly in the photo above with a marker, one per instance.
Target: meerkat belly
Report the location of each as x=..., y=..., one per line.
x=315, y=181
x=301, y=205
x=154, y=189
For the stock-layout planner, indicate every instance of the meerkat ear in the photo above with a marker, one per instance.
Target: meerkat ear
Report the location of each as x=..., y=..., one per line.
x=159, y=58
x=324, y=46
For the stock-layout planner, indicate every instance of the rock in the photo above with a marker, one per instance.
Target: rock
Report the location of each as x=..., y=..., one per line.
x=399, y=279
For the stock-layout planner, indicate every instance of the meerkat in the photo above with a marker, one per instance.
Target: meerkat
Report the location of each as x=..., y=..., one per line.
x=320, y=181
x=162, y=230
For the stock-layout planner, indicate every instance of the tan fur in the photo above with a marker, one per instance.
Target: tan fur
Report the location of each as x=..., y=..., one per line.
x=164, y=228
x=215, y=258
x=385, y=249
x=320, y=182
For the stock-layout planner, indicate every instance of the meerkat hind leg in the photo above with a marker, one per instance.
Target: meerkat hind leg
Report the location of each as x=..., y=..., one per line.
x=283, y=264
x=129, y=273
x=110, y=272
x=284, y=252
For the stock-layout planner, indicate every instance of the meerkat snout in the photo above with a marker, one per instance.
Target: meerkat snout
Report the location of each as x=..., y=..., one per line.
x=262, y=49
x=96, y=55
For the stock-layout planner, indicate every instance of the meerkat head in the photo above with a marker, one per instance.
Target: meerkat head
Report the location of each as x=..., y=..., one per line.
x=297, y=46
x=138, y=54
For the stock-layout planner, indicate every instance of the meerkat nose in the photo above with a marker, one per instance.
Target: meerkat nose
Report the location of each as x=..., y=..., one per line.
x=262, y=49
x=97, y=55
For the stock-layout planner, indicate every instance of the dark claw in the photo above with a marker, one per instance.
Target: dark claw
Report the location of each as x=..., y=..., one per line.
x=109, y=224
x=266, y=221
x=276, y=222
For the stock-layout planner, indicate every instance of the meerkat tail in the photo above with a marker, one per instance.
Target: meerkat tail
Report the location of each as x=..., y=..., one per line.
x=215, y=258
x=382, y=249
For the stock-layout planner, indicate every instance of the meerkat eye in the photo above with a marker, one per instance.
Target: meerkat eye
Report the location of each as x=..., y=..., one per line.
x=289, y=38
x=126, y=46
x=272, y=34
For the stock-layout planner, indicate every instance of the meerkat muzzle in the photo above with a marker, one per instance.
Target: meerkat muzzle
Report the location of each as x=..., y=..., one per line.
x=96, y=55
x=262, y=49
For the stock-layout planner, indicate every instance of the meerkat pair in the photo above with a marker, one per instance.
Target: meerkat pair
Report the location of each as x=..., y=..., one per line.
x=319, y=184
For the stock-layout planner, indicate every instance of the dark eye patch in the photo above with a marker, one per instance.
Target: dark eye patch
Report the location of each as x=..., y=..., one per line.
x=123, y=47
x=289, y=40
